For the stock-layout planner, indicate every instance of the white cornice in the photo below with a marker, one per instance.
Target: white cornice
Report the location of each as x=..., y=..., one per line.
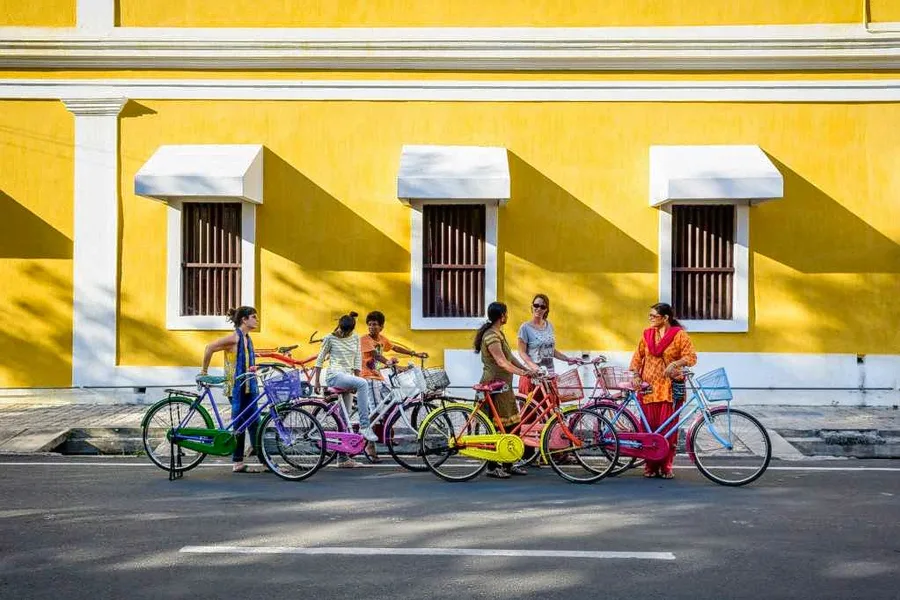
x=768, y=47
x=95, y=106
x=83, y=93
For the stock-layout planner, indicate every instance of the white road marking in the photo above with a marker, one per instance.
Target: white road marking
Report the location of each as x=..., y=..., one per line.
x=340, y=551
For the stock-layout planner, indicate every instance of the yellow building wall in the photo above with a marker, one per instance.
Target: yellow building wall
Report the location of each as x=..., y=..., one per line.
x=458, y=13
x=496, y=13
x=37, y=13
x=332, y=237
x=36, y=179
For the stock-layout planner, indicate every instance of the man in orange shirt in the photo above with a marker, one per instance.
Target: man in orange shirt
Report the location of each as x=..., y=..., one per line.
x=373, y=347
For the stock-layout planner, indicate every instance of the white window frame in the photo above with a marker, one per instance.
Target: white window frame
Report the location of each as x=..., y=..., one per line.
x=740, y=307
x=174, y=319
x=417, y=319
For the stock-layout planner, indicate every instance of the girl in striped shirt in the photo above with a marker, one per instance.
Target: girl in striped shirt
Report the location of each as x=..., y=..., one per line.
x=342, y=349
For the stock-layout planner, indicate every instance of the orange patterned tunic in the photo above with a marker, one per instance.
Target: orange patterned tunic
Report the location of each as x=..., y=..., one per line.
x=652, y=368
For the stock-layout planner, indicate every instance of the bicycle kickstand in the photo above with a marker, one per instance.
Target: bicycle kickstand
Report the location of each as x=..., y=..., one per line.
x=175, y=471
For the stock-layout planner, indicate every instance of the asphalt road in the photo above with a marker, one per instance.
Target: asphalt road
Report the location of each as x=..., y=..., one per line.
x=117, y=528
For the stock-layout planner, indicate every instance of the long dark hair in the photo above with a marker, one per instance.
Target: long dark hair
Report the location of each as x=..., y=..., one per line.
x=237, y=315
x=346, y=325
x=666, y=310
x=495, y=312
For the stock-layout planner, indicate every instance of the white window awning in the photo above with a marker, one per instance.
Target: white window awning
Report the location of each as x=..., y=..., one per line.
x=475, y=173
x=210, y=171
x=712, y=173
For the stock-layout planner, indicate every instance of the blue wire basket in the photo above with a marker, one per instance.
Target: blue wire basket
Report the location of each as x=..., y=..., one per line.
x=286, y=387
x=715, y=386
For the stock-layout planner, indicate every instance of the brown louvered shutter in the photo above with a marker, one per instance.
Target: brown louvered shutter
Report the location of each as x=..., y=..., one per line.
x=703, y=261
x=453, y=260
x=211, y=258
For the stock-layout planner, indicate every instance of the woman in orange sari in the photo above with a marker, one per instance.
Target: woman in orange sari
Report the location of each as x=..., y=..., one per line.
x=663, y=350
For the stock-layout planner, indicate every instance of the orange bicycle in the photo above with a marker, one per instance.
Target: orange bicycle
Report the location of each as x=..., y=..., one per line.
x=458, y=439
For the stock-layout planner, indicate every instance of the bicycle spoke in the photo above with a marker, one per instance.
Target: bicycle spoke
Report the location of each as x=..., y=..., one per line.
x=732, y=449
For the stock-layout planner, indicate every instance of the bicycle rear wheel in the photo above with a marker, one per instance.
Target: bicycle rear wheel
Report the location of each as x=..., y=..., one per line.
x=291, y=442
x=438, y=430
x=328, y=419
x=580, y=445
x=401, y=434
x=744, y=461
x=161, y=418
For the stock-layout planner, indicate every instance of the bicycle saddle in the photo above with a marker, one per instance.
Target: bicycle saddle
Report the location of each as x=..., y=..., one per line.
x=491, y=386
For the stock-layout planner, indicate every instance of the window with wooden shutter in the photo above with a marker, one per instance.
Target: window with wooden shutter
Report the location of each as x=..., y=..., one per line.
x=703, y=261
x=453, y=260
x=211, y=258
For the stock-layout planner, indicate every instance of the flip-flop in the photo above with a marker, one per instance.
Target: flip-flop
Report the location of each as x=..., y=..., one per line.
x=241, y=469
x=667, y=475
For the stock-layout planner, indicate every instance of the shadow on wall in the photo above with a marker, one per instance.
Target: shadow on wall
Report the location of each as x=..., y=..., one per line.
x=23, y=234
x=39, y=341
x=308, y=226
x=565, y=234
x=834, y=240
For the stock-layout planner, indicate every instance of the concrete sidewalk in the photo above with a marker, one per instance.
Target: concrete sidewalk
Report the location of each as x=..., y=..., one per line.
x=34, y=425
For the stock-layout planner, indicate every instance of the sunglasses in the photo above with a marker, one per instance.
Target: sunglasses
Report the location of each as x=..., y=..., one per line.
x=540, y=306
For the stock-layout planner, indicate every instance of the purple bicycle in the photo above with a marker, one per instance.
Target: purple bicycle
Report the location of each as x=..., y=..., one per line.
x=178, y=431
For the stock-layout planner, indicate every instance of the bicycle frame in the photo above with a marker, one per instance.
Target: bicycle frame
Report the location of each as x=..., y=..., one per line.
x=696, y=403
x=205, y=440
x=539, y=411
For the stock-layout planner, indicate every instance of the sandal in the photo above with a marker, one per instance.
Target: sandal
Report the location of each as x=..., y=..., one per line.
x=373, y=455
x=350, y=464
x=667, y=475
x=497, y=474
x=240, y=468
x=648, y=475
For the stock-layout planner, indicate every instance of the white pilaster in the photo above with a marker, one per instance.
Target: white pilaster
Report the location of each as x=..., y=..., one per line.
x=95, y=277
x=95, y=15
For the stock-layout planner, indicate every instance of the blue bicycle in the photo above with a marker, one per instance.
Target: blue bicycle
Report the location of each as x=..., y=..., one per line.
x=178, y=431
x=728, y=446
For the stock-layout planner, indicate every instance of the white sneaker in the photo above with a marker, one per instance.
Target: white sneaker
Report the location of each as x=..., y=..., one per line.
x=369, y=434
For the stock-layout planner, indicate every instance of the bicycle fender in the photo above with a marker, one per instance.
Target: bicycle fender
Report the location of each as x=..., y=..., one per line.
x=467, y=407
x=199, y=408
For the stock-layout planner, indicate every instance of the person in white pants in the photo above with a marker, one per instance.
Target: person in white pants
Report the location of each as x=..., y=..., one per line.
x=342, y=349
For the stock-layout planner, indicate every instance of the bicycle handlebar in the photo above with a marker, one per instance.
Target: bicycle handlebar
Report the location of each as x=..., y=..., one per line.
x=585, y=361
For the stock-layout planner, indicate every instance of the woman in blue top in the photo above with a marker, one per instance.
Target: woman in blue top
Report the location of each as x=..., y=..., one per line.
x=240, y=385
x=537, y=341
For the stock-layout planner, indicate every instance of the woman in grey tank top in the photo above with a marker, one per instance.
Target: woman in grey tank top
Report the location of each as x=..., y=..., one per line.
x=537, y=342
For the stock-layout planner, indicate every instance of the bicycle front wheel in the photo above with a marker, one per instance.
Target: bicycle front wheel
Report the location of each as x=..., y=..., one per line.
x=401, y=434
x=580, y=445
x=160, y=419
x=438, y=431
x=624, y=422
x=291, y=442
x=731, y=448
